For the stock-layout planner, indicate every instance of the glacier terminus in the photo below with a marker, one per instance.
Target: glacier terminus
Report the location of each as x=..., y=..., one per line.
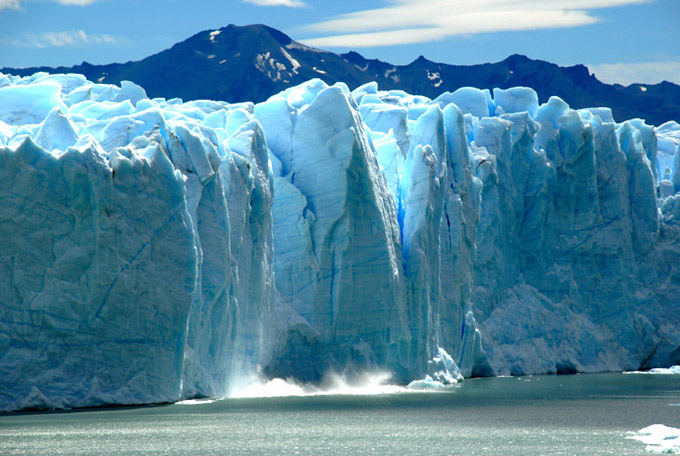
x=154, y=250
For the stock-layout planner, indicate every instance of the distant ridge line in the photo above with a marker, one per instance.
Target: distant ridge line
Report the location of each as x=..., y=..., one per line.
x=254, y=62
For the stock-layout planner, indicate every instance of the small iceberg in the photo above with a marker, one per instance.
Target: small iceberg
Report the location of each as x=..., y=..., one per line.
x=426, y=384
x=660, y=439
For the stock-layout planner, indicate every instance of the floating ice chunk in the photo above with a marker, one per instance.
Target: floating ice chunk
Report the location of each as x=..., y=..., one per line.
x=426, y=384
x=660, y=439
x=196, y=402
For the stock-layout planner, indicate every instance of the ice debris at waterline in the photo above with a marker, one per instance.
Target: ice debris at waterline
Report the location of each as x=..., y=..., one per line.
x=155, y=250
x=366, y=383
x=659, y=439
x=673, y=370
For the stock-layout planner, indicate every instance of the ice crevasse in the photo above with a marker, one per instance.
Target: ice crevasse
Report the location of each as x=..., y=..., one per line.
x=154, y=250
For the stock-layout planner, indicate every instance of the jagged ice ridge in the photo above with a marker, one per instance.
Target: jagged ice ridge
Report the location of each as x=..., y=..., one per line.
x=154, y=250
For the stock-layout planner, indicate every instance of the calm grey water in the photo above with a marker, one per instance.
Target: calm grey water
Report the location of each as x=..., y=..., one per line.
x=551, y=415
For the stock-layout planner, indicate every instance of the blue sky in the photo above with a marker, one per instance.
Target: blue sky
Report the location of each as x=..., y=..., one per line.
x=620, y=40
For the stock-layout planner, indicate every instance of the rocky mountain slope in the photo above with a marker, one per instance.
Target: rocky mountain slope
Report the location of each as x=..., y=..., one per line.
x=254, y=62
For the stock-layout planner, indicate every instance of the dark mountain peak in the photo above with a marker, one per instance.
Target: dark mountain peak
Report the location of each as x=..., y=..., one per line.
x=354, y=57
x=521, y=63
x=578, y=73
x=234, y=35
x=518, y=59
x=258, y=29
x=421, y=60
x=578, y=69
x=252, y=62
x=279, y=36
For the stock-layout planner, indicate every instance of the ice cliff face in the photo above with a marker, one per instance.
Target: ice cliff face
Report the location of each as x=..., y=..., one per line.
x=154, y=249
x=137, y=245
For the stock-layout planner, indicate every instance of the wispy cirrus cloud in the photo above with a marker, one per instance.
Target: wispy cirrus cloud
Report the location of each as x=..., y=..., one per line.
x=288, y=3
x=16, y=4
x=640, y=72
x=75, y=2
x=418, y=21
x=10, y=4
x=60, y=39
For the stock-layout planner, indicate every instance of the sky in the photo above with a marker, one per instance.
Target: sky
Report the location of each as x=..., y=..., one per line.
x=622, y=41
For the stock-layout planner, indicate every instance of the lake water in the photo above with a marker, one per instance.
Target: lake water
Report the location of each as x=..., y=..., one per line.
x=541, y=415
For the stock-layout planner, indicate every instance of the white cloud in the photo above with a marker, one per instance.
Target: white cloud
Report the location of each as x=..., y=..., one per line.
x=288, y=3
x=60, y=39
x=76, y=2
x=641, y=72
x=16, y=5
x=9, y=4
x=417, y=21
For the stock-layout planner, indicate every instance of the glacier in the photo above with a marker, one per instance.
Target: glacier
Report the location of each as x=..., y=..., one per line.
x=156, y=250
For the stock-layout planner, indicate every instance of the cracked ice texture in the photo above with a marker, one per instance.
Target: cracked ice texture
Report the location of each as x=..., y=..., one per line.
x=155, y=249
x=137, y=245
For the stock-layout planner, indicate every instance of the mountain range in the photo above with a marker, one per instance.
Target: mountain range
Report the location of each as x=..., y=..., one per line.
x=253, y=62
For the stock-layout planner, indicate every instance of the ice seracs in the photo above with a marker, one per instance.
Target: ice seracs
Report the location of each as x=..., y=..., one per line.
x=145, y=272
x=155, y=250
x=340, y=211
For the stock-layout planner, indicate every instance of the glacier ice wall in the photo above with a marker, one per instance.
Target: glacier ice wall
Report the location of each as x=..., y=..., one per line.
x=345, y=279
x=156, y=249
x=137, y=245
